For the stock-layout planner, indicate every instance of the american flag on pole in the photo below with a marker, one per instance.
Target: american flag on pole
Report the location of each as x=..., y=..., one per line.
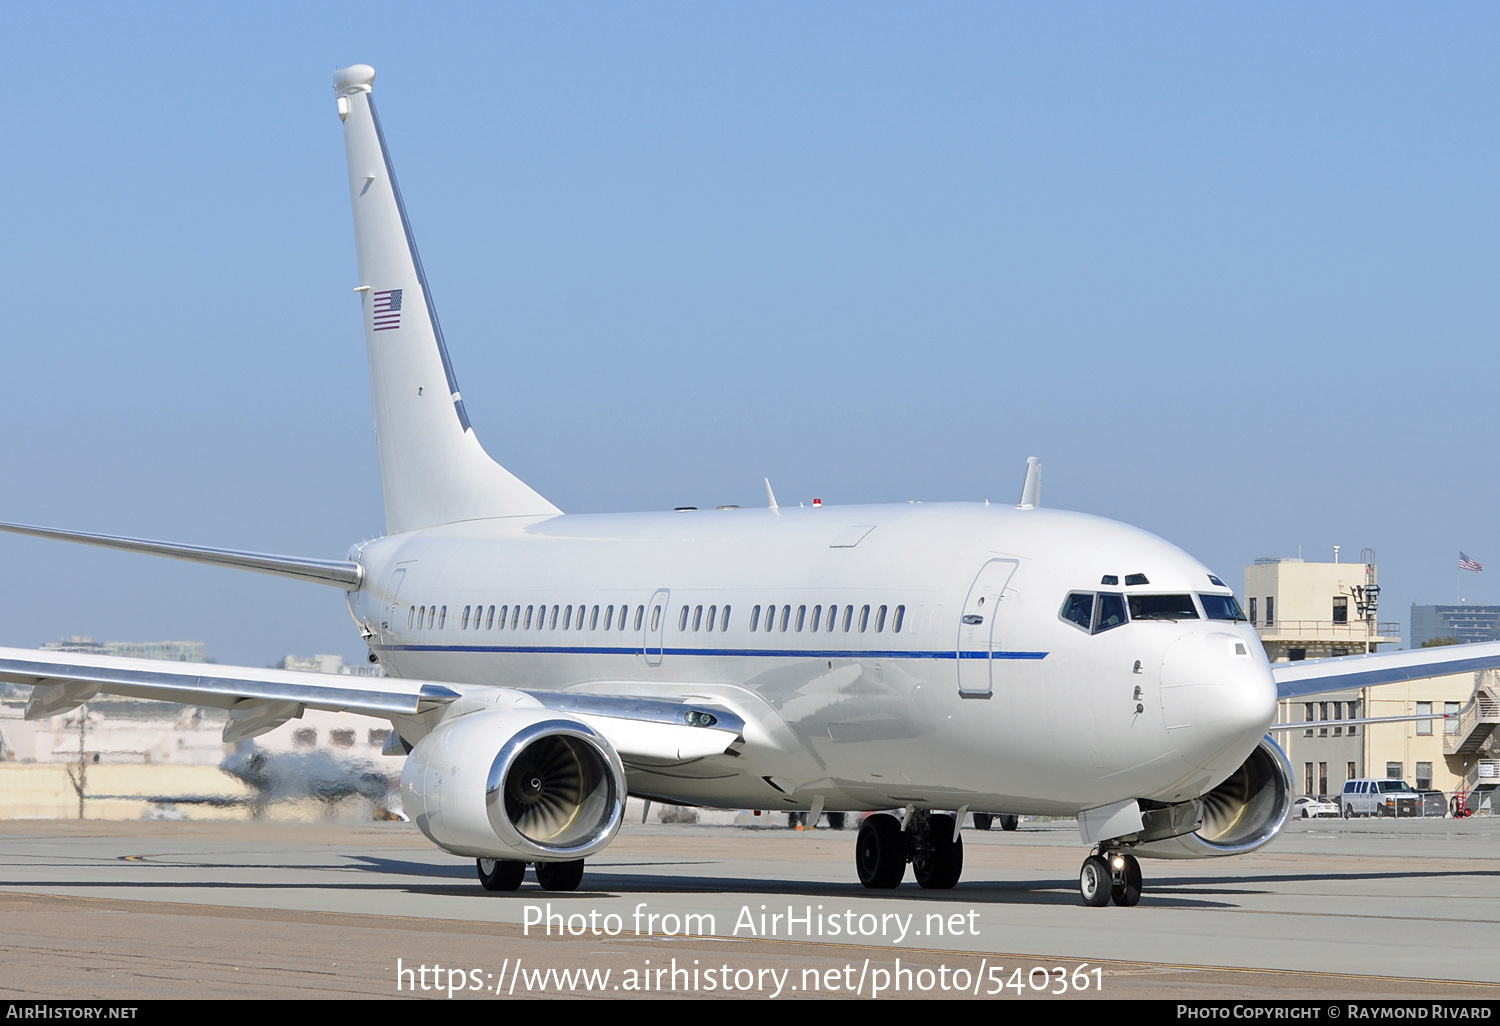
x=1465, y=563
x=387, y=309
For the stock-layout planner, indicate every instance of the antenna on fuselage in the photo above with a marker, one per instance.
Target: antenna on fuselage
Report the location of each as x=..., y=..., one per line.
x=771, y=497
x=1031, y=488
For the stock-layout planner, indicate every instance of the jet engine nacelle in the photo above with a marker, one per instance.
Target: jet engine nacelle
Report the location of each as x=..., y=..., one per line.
x=529, y=785
x=1241, y=814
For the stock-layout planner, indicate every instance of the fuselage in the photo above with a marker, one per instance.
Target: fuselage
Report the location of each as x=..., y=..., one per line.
x=914, y=654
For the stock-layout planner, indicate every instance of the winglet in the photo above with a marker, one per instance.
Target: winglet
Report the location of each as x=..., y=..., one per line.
x=1031, y=490
x=771, y=497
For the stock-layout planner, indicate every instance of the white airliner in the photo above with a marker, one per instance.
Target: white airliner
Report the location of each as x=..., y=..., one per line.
x=920, y=661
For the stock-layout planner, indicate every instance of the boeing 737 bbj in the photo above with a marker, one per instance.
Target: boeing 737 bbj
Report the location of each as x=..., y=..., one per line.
x=920, y=661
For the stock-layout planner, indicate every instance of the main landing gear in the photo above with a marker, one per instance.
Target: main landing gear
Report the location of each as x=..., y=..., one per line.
x=504, y=875
x=928, y=843
x=1113, y=876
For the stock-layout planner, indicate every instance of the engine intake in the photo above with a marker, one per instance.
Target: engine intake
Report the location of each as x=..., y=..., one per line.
x=1240, y=815
x=523, y=784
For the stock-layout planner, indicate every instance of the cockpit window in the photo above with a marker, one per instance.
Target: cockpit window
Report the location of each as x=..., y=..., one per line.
x=1109, y=611
x=1162, y=607
x=1221, y=607
x=1079, y=609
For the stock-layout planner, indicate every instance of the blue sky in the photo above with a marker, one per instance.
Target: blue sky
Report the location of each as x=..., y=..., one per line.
x=1230, y=271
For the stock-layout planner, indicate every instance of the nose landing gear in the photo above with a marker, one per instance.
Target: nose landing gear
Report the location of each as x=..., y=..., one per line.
x=1112, y=876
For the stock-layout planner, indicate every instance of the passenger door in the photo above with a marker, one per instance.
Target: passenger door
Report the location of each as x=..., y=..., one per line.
x=979, y=635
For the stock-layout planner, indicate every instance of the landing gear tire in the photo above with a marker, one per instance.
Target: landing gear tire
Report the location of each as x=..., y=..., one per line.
x=1009, y=822
x=835, y=821
x=941, y=867
x=500, y=874
x=560, y=876
x=880, y=852
x=1094, y=882
x=1127, y=892
x=983, y=820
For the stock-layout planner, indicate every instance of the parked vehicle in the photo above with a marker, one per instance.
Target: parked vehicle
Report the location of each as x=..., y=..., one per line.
x=1370, y=797
x=1308, y=807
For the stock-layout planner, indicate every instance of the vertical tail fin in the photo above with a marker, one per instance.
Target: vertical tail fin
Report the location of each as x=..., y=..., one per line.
x=432, y=467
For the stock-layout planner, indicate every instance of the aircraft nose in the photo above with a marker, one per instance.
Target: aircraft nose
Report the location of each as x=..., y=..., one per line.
x=1217, y=698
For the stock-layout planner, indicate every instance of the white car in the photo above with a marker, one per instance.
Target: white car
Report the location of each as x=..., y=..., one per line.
x=1308, y=807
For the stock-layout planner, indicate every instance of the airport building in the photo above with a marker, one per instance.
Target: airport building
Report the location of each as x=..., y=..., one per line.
x=1449, y=624
x=1307, y=610
x=172, y=651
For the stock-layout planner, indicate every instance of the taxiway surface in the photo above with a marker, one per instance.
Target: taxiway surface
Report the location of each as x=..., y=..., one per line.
x=1331, y=909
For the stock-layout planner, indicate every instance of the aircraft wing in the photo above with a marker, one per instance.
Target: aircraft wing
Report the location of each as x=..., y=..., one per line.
x=1317, y=676
x=260, y=700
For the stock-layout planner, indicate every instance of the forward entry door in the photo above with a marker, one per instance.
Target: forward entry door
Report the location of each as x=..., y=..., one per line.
x=979, y=632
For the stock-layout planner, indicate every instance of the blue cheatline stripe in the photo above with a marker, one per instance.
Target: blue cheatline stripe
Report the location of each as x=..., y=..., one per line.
x=785, y=653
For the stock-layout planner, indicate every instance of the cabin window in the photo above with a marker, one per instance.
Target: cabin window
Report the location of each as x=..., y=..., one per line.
x=410, y=613
x=609, y=616
x=655, y=617
x=786, y=617
x=553, y=624
x=712, y=613
x=817, y=612
x=504, y=613
x=864, y=618
x=880, y=620
x=682, y=620
x=594, y=620
x=568, y=617
x=754, y=617
x=442, y=617
x=724, y=620
x=697, y=617
x=464, y=624
x=343, y=737
x=801, y=617
x=833, y=618
x=489, y=621
x=900, y=617
x=848, y=618
x=529, y=610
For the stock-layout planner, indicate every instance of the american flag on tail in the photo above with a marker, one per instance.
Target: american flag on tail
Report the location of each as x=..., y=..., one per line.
x=387, y=309
x=1465, y=563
